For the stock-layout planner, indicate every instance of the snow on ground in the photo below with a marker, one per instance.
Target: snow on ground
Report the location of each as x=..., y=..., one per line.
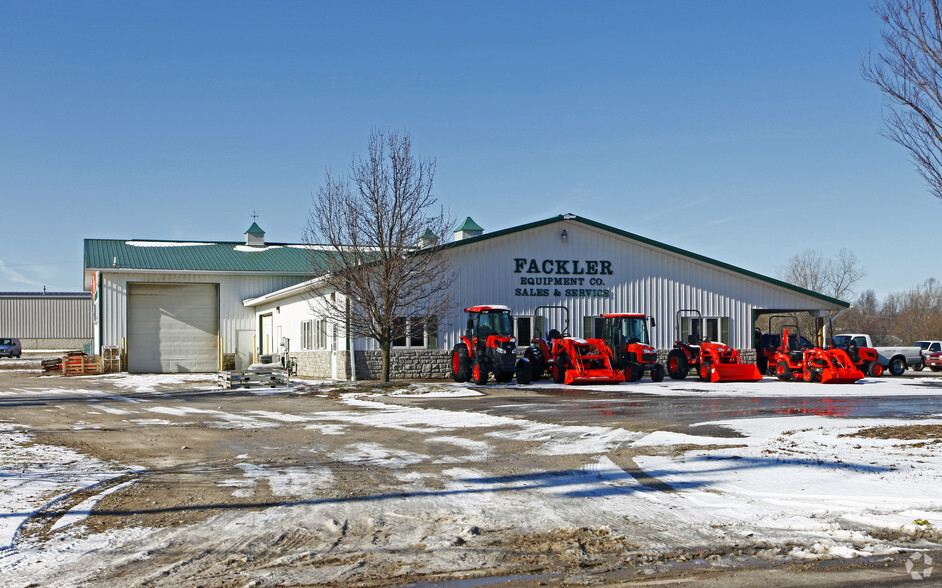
x=802, y=481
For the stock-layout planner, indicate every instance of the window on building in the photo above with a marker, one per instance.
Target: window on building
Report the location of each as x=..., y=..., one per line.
x=416, y=332
x=307, y=335
x=591, y=327
x=527, y=328
x=711, y=328
x=320, y=334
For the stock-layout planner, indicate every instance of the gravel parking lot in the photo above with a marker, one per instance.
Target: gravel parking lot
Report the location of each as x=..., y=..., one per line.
x=168, y=480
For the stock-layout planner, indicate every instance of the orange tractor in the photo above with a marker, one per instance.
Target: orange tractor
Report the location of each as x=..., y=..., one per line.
x=865, y=358
x=488, y=346
x=627, y=336
x=794, y=361
x=571, y=360
x=713, y=362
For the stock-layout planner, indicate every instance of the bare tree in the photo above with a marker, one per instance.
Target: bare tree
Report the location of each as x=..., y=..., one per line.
x=375, y=239
x=832, y=277
x=909, y=72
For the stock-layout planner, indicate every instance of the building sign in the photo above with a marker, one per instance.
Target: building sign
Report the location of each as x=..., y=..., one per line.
x=562, y=277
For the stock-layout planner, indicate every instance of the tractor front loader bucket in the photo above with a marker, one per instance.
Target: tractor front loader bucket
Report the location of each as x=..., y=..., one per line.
x=734, y=372
x=840, y=369
x=590, y=363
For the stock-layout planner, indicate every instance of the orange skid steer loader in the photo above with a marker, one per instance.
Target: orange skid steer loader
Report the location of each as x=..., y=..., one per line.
x=713, y=362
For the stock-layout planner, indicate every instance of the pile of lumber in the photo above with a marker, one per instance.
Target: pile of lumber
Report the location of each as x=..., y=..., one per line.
x=52, y=365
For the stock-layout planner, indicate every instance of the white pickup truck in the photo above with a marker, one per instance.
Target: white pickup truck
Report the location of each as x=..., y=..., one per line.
x=893, y=359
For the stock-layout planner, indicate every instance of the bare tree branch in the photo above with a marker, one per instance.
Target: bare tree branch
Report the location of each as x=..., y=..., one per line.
x=908, y=72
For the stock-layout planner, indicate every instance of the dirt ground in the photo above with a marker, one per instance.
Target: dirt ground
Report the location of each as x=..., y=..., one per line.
x=201, y=457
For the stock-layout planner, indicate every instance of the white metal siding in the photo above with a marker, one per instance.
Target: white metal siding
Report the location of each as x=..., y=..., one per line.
x=645, y=279
x=173, y=328
x=51, y=316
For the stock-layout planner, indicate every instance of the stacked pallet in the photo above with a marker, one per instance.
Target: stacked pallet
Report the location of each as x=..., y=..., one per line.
x=52, y=365
x=76, y=363
x=269, y=378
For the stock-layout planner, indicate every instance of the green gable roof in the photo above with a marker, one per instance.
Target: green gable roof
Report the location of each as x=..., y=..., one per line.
x=469, y=225
x=114, y=254
x=653, y=243
x=255, y=230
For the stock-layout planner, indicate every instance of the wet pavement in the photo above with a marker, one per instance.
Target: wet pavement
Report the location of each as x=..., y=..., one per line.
x=573, y=406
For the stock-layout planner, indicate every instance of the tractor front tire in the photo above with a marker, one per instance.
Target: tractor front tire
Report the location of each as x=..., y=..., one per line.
x=504, y=377
x=875, y=370
x=633, y=372
x=657, y=373
x=460, y=363
x=524, y=371
x=677, y=364
x=536, y=366
x=763, y=364
x=559, y=368
x=478, y=373
x=706, y=369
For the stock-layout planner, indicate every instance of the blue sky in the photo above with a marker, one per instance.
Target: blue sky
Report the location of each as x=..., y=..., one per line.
x=739, y=130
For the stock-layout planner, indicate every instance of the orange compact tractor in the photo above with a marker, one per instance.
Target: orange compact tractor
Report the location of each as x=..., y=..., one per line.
x=571, y=360
x=627, y=336
x=712, y=361
x=488, y=346
x=866, y=359
x=794, y=361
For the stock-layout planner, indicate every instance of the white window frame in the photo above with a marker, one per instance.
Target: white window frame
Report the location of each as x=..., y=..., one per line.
x=429, y=339
x=722, y=325
x=307, y=335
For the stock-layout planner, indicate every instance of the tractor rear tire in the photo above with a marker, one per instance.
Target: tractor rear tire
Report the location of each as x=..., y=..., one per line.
x=657, y=373
x=783, y=373
x=460, y=363
x=478, y=373
x=677, y=364
x=559, y=368
x=524, y=371
x=897, y=366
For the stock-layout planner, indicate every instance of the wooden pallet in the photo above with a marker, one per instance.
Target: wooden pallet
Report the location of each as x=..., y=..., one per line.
x=273, y=378
x=79, y=364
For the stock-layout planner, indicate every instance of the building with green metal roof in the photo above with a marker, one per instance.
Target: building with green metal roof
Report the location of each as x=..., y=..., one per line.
x=193, y=306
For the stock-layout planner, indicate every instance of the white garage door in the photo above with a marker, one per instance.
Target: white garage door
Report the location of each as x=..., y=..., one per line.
x=173, y=328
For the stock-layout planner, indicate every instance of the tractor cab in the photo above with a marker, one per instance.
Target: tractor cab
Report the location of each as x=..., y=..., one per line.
x=626, y=335
x=485, y=322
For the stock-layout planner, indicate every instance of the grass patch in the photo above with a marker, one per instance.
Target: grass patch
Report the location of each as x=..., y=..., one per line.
x=905, y=432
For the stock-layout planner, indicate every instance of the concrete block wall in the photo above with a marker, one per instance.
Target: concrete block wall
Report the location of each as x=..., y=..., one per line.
x=417, y=364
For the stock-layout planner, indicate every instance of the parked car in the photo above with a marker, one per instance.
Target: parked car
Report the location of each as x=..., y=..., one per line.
x=10, y=347
x=927, y=348
x=933, y=360
x=894, y=359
